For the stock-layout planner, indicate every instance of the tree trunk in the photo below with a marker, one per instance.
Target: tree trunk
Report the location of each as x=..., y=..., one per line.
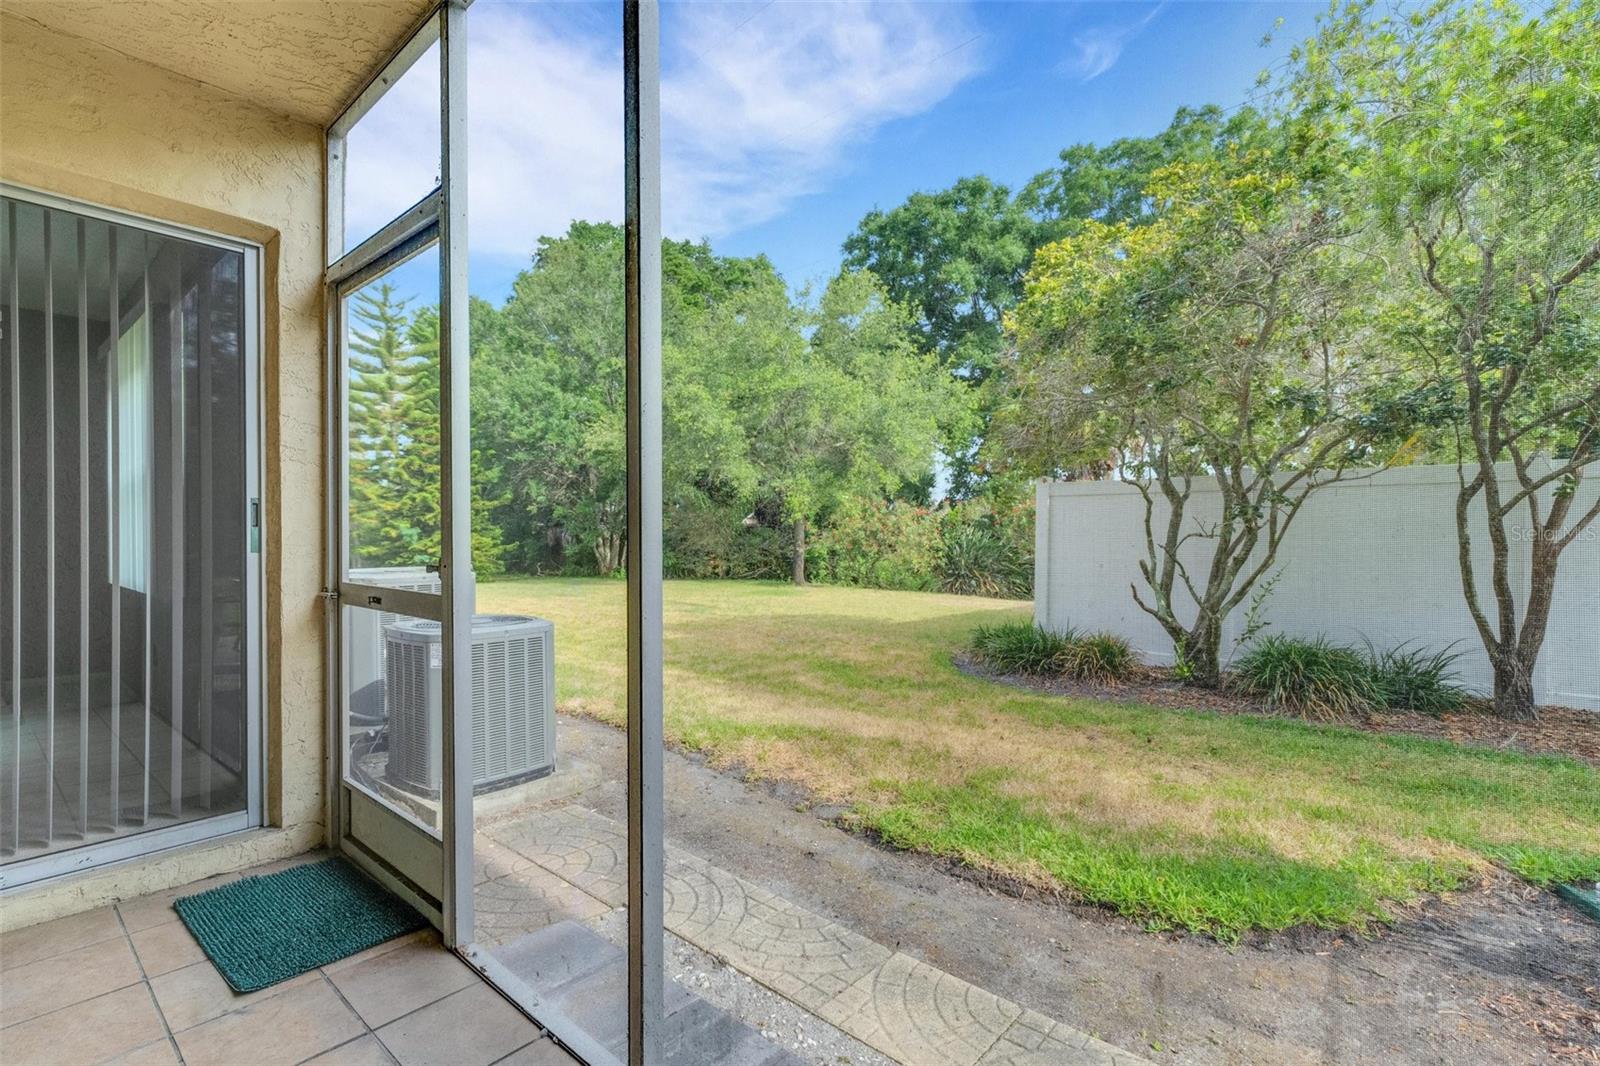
x=1513, y=689
x=609, y=553
x=1201, y=649
x=799, y=561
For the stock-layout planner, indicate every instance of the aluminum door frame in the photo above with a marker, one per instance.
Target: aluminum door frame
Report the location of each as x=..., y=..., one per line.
x=255, y=505
x=446, y=210
x=438, y=219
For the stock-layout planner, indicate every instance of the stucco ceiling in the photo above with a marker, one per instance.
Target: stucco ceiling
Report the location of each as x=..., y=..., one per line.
x=303, y=58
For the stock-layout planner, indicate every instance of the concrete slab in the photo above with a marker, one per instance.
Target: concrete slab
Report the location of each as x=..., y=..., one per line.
x=584, y=976
x=1035, y=1040
x=913, y=1013
x=907, y=1009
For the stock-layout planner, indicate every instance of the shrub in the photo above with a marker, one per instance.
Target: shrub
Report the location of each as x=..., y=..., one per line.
x=1098, y=657
x=1414, y=678
x=1024, y=648
x=877, y=544
x=1315, y=678
x=1021, y=647
x=979, y=561
x=701, y=539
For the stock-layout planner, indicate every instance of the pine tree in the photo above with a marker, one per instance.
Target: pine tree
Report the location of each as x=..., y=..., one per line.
x=386, y=512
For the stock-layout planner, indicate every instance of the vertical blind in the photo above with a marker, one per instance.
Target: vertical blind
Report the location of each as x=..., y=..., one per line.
x=132, y=443
x=123, y=621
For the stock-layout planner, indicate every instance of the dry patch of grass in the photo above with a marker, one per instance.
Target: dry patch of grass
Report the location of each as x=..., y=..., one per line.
x=1207, y=822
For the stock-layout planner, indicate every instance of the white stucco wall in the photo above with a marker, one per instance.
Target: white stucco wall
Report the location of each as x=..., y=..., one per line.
x=1373, y=558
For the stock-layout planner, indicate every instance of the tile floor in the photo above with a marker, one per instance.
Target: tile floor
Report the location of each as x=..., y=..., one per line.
x=128, y=984
x=53, y=816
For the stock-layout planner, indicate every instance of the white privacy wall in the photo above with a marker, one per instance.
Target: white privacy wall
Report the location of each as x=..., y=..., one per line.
x=1373, y=558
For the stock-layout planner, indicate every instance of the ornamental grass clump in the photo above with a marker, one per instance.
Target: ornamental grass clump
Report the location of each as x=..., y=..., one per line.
x=1024, y=648
x=1416, y=679
x=1020, y=648
x=1312, y=678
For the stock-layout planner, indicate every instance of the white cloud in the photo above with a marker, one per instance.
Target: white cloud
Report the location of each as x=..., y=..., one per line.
x=760, y=105
x=763, y=104
x=1097, y=49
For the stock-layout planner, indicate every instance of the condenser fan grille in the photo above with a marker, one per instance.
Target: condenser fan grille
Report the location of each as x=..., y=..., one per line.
x=513, y=702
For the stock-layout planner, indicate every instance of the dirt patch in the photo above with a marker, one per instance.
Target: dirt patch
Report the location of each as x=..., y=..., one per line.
x=1558, y=730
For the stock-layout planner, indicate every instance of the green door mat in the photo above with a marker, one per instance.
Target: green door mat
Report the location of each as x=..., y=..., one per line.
x=267, y=929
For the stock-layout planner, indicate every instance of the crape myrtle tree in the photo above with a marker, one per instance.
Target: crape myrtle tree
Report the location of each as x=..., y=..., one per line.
x=1480, y=127
x=1215, y=342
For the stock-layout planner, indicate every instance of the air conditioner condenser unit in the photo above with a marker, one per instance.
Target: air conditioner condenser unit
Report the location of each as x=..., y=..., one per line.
x=364, y=644
x=513, y=702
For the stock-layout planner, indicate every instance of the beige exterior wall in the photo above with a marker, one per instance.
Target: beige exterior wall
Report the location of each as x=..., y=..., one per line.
x=83, y=121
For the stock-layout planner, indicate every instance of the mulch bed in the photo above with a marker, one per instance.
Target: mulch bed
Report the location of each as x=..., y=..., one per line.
x=1558, y=730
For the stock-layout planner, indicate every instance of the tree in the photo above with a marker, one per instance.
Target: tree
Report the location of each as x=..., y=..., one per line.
x=1110, y=183
x=419, y=466
x=807, y=421
x=1481, y=129
x=548, y=394
x=394, y=482
x=548, y=391
x=389, y=488
x=1217, y=342
x=955, y=258
x=883, y=402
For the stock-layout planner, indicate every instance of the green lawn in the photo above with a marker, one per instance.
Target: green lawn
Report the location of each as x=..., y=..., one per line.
x=1205, y=822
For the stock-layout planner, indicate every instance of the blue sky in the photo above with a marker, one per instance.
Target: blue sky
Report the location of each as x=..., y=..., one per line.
x=785, y=121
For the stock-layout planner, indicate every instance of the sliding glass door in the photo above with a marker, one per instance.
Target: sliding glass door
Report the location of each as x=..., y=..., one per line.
x=127, y=511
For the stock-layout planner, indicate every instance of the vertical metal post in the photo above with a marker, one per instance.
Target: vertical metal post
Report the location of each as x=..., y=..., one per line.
x=333, y=566
x=455, y=512
x=333, y=485
x=49, y=532
x=333, y=208
x=176, y=433
x=14, y=327
x=642, y=352
x=83, y=528
x=206, y=696
x=149, y=504
x=113, y=518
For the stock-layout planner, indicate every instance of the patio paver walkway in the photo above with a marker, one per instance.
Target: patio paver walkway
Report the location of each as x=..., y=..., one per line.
x=905, y=1008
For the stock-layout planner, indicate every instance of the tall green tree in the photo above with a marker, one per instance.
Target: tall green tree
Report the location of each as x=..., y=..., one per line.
x=418, y=469
x=548, y=391
x=853, y=410
x=1110, y=183
x=394, y=449
x=1480, y=129
x=958, y=257
x=955, y=258
x=390, y=490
